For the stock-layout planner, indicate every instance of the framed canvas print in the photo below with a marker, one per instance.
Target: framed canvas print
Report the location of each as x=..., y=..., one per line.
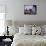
x=30, y=9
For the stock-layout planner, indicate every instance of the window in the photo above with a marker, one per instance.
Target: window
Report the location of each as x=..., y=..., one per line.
x=2, y=19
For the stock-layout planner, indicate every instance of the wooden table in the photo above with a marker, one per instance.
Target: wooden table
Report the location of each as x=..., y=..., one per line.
x=5, y=43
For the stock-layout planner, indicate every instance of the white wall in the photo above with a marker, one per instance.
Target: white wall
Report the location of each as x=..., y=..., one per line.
x=15, y=9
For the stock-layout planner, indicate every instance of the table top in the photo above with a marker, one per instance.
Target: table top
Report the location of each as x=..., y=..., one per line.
x=4, y=37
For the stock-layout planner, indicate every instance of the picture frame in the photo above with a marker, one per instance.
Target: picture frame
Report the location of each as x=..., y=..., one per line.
x=30, y=9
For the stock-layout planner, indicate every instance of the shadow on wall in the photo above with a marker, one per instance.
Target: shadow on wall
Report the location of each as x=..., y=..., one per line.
x=21, y=23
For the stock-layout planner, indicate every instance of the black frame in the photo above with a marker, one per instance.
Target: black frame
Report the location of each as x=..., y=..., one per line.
x=30, y=11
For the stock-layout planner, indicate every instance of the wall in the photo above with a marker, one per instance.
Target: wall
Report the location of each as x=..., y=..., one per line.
x=15, y=9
